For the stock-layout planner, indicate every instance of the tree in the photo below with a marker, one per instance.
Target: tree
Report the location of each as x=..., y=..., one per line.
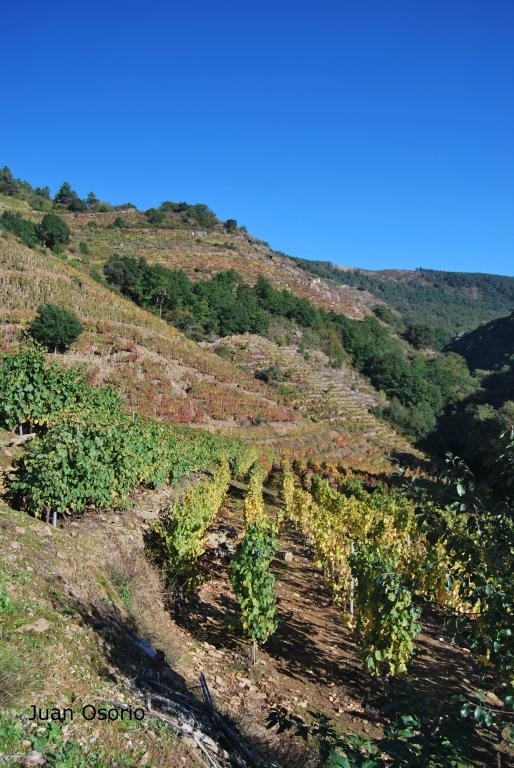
x=53, y=232
x=55, y=327
x=77, y=205
x=65, y=195
x=419, y=336
x=42, y=192
x=231, y=225
x=202, y=215
x=8, y=184
x=92, y=201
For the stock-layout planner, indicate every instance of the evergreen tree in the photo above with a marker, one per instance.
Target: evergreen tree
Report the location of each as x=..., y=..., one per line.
x=53, y=232
x=55, y=327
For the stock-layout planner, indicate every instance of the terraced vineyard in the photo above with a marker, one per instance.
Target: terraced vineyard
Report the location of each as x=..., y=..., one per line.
x=200, y=253
x=336, y=400
x=158, y=370
x=368, y=599
x=162, y=374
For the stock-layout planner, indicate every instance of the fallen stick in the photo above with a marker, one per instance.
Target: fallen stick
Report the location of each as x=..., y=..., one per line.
x=199, y=738
x=229, y=732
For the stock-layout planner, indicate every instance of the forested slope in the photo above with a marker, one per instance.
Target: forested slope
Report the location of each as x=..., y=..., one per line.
x=448, y=303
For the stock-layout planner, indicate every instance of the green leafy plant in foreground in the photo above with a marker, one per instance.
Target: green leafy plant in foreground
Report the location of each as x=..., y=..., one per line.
x=386, y=616
x=411, y=742
x=88, y=452
x=178, y=538
x=254, y=583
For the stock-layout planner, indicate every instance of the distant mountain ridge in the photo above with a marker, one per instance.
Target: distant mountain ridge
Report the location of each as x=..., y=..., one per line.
x=450, y=303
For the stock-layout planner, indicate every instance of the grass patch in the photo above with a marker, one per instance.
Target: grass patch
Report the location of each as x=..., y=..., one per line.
x=6, y=602
x=122, y=578
x=15, y=734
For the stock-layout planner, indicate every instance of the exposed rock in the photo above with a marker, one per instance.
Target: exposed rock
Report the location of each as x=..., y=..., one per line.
x=34, y=759
x=216, y=540
x=20, y=439
x=40, y=625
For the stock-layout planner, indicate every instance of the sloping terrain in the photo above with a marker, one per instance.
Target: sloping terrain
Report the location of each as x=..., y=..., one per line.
x=87, y=618
x=155, y=367
x=449, y=303
x=490, y=347
x=183, y=245
x=159, y=372
x=82, y=610
x=305, y=381
x=200, y=253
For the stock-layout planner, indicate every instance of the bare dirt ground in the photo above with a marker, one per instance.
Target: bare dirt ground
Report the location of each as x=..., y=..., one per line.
x=107, y=593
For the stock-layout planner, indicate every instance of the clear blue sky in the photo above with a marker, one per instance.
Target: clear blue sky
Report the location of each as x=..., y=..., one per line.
x=372, y=133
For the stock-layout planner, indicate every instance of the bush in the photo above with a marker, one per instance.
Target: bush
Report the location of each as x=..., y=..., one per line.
x=77, y=205
x=25, y=230
x=155, y=216
x=53, y=232
x=119, y=223
x=55, y=327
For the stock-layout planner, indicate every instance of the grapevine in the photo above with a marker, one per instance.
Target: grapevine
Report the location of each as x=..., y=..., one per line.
x=254, y=583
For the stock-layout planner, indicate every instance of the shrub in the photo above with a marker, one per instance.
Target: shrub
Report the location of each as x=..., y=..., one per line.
x=53, y=232
x=155, y=216
x=77, y=205
x=55, y=327
x=119, y=223
x=15, y=223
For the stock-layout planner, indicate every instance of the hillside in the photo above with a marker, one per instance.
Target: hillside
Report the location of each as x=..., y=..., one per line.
x=159, y=372
x=85, y=611
x=179, y=242
x=449, y=303
x=471, y=428
x=490, y=347
x=222, y=539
